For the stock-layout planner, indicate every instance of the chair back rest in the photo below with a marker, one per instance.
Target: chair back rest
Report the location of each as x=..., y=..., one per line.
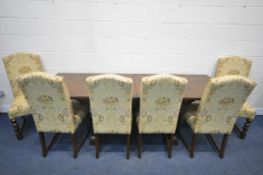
x=111, y=103
x=221, y=102
x=19, y=64
x=160, y=103
x=49, y=101
x=233, y=65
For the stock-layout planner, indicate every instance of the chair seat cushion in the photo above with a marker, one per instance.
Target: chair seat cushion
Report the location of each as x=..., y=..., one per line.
x=190, y=115
x=80, y=112
x=19, y=107
x=247, y=111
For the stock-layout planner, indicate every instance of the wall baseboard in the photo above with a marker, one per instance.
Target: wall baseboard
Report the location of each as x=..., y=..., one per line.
x=4, y=108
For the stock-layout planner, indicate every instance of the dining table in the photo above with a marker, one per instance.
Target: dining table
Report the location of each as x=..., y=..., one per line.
x=78, y=90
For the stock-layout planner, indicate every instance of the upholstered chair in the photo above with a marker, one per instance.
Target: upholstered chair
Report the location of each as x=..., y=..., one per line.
x=51, y=107
x=235, y=65
x=111, y=106
x=160, y=103
x=16, y=65
x=218, y=110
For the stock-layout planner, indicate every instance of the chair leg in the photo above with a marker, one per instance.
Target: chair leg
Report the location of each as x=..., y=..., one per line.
x=74, y=145
x=17, y=129
x=170, y=148
x=192, y=149
x=223, y=146
x=97, y=145
x=245, y=128
x=43, y=144
x=128, y=146
x=139, y=145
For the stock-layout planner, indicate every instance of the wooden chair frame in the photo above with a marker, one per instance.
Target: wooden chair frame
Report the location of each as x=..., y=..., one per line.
x=76, y=148
x=168, y=138
x=191, y=148
x=98, y=142
x=18, y=129
x=243, y=132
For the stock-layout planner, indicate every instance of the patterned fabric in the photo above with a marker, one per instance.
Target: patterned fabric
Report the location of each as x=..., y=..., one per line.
x=247, y=111
x=19, y=107
x=160, y=102
x=50, y=103
x=220, y=104
x=234, y=65
x=16, y=65
x=111, y=103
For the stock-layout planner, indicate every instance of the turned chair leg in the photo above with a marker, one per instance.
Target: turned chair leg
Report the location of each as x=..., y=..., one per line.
x=139, y=145
x=43, y=144
x=245, y=128
x=97, y=145
x=17, y=129
x=223, y=146
x=192, y=149
x=128, y=146
x=74, y=145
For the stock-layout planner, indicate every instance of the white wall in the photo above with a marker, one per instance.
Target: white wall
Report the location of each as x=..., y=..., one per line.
x=133, y=36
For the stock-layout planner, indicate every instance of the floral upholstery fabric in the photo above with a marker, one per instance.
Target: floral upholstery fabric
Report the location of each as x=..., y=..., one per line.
x=16, y=65
x=247, y=111
x=19, y=107
x=111, y=103
x=50, y=103
x=234, y=65
x=220, y=104
x=160, y=102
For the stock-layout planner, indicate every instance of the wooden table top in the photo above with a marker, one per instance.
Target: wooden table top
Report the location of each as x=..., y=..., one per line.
x=77, y=88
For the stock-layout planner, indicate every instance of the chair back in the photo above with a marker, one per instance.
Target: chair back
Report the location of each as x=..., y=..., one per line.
x=221, y=102
x=19, y=64
x=233, y=65
x=49, y=101
x=111, y=103
x=160, y=103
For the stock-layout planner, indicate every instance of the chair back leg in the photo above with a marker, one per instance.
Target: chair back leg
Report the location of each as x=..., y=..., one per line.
x=223, y=146
x=128, y=146
x=192, y=148
x=43, y=144
x=74, y=145
x=139, y=145
x=97, y=145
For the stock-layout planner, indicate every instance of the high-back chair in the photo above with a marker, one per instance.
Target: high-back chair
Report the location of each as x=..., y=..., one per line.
x=235, y=65
x=16, y=65
x=160, y=103
x=51, y=107
x=218, y=109
x=111, y=106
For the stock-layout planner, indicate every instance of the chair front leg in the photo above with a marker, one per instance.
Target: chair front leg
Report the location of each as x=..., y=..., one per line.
x=245, y=128
x=43, y=144
x=192, y=148
x=17, y=129
x=128, y=146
